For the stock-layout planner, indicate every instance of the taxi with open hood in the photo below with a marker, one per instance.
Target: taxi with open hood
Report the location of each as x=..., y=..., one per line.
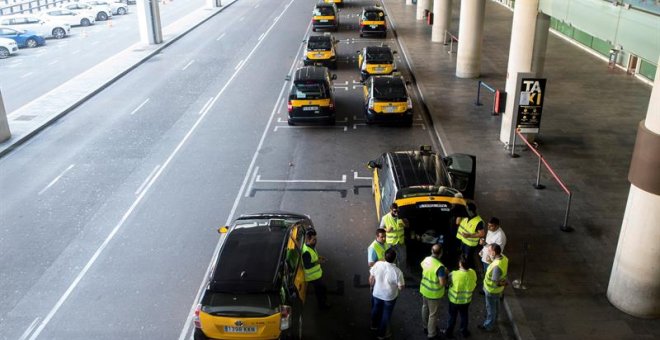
x=376, y=60
x=256, y=288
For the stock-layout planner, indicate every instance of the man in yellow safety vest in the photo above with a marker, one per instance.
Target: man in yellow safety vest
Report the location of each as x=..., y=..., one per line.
x=377, y=248
x=461, y=286
x=494, y=282
x=312, y=267
x=432, y=288
x=470, y=230
x=395, y=234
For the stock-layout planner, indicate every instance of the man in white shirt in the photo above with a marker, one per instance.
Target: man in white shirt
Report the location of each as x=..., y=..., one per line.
x=386, y=281
x=495, y=236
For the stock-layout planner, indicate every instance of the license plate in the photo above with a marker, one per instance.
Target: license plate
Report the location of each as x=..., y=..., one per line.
x=373, y=26
x=319, y=55
x=379, y=69
x=323, y=20
x=310, y=108
x=232, y=329
x=390, y=109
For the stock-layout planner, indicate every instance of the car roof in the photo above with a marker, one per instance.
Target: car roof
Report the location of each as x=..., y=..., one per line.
x=378, y=49
x=325, y=37
x=325, y=4
x=311, y=73
x=372, y=9
x=388, y=81
x=412, y=168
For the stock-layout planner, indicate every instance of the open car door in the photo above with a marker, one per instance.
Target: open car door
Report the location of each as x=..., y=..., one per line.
x=462, y=169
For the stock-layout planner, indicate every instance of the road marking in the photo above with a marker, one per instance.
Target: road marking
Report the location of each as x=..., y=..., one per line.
x=230, y=217
x=187, y=65
x=206, y=106
x=146, y=180
x=345, y=128
x=53, y=62
x=355, y=176
x=259, y=180
x=220, y=37
x=139, y=107
x=239, y=65
x=29, y=329
x=27, y=74
x=261, y=36
x=249, y=189
x=56, y=179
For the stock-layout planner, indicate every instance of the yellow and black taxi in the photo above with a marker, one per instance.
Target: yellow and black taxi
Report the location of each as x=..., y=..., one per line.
x=325, y=16
x=430, y=190
x=312, y=96
x=386, y=99
x=256, y=288
x=320, y=51
x=376, y=60
x=336, y=2
x=372, y=22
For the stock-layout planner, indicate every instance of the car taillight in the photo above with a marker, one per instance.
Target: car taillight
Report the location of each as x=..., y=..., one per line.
x=332, y=105
x=289, y=107
x=285, y=317
x=371, y=103
x=409, y=104
x=196, y=321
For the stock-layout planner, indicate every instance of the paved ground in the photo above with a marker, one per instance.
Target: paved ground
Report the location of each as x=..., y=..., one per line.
x=588, y=133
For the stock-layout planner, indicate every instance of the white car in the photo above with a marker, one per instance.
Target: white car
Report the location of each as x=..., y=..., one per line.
x=100, y=13
x=117, y=8
x=47, y=28
x=70, y=17
x=7, y=47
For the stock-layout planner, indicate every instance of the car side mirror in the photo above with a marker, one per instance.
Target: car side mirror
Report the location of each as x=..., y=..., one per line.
x=223, y=230
x=304, y=40
x=333, y=77
x=373, y=165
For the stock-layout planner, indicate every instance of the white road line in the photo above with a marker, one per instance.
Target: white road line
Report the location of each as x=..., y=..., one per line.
x=355, y=176
x=27, y=74
x=187, y=65
x=345, y=128
x=240, y=63
x=230, y=217
x=29, y=329
x=259, y=180
x=140, y=106
x=261, y=36
x=206, y=106
x=220, y=37
x=56, y=179
x=137, y=201
x=146, y=180
x=249, y=189
x=53, y=62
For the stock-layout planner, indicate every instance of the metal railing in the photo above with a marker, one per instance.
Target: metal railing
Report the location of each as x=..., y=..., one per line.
x=452, y=38
x=32, y=6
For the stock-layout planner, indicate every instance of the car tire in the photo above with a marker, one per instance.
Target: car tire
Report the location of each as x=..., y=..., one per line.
x=85, y=22
x=361, y=35
x=4, y=53
x=313, y=29
x=102, y=16
x=31, y=43
x=290, y=122
x=58, y=33
x=121, y=11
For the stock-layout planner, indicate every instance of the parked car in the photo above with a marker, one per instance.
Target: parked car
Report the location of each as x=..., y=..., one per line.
x=70, y=17
x=47, y=28
x=100, y=13
x=115, y=8
x=22, y=38
x=7, y=47
x=128, y=2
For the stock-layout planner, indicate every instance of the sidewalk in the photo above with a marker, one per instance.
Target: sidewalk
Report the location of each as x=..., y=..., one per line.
x=587, y=136
x=40, y=113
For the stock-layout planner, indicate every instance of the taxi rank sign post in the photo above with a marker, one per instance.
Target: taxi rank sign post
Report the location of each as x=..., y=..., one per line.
x=530, y=103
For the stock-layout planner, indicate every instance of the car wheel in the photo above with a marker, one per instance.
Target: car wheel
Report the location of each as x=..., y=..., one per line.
x=4, y=53
x=102, y=16
x=31, y=43
x=121, y=11
x=290, y=122
x=313, y=29
x=361, y=35
x=59, y=33
x=85, y=22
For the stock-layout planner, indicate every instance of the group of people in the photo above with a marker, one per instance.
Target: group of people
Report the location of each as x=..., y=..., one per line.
x=386, y=257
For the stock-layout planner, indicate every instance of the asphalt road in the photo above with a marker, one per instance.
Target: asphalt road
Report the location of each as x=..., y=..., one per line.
x=110, y=215
x=31, y=73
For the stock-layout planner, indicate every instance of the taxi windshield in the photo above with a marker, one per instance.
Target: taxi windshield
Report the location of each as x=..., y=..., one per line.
x=391, y=92
x=379, y=58
x=324, y=11
x=315, y=45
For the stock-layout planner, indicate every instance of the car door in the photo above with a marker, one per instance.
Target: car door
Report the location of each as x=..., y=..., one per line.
x=462, y=170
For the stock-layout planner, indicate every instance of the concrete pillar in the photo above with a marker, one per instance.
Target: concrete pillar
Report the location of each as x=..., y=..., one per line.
x=213, y=3
x=470, y=33
x=409, y=2
x=635, y=280
x=151, y=32
x=521, y=51
x=4, y=125
x=422, y=5
x=441, y=20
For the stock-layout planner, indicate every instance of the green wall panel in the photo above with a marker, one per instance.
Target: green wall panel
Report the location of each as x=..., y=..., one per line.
x=597, y=17
x=647, y=69
x=582, y=38
x=565, y=29
x=601, y=46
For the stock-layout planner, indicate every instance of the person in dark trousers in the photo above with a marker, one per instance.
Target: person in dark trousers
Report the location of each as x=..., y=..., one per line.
x=432, y=289
x=461, y=286
x=312, y=266
x=470, y=230
x=386, y=281
x=494, y=283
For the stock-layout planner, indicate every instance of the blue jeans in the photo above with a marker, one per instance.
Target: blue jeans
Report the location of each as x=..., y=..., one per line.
x=381, y=313
x=454, y=311
x=492, y=306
